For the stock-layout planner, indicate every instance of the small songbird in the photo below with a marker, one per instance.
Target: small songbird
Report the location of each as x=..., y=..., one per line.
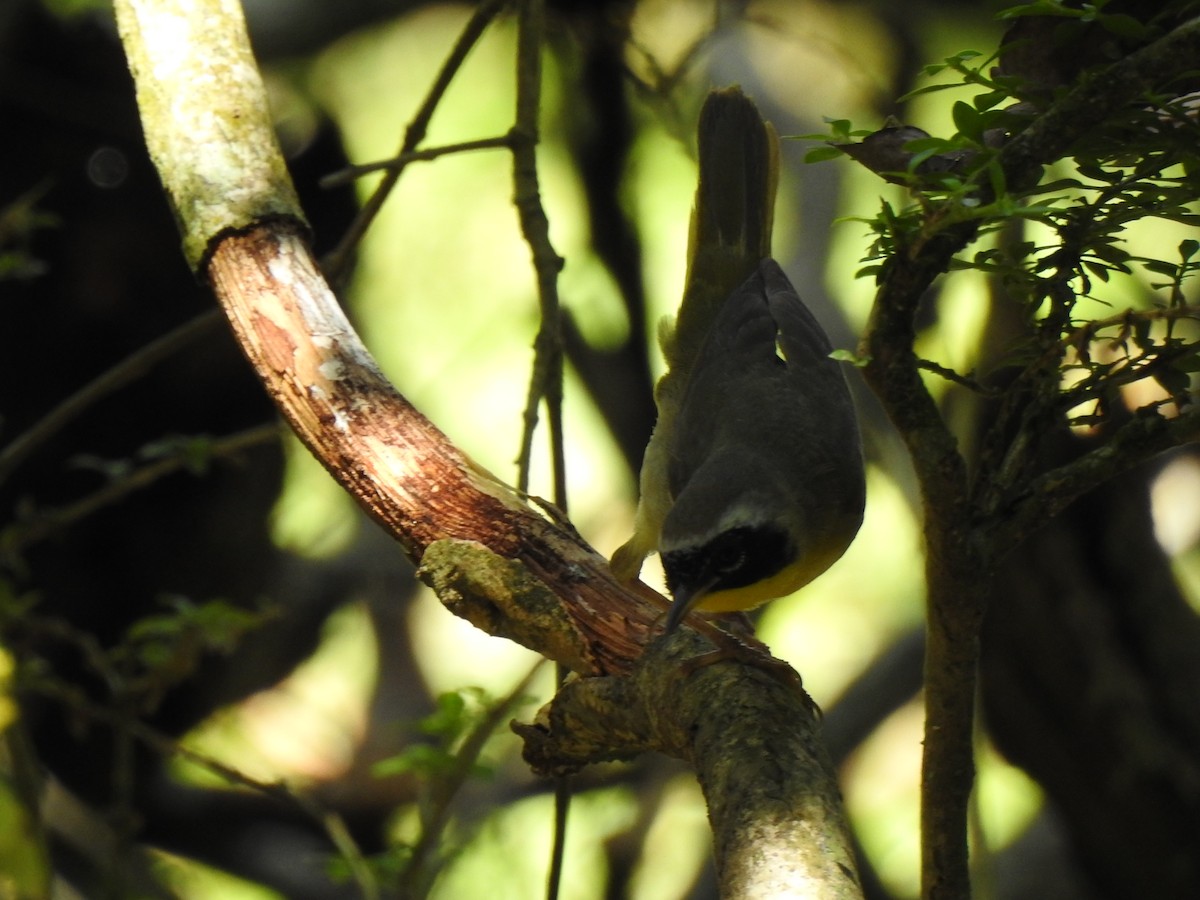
x=752, y=484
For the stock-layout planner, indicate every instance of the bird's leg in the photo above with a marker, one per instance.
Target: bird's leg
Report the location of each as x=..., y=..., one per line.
x=752, y=652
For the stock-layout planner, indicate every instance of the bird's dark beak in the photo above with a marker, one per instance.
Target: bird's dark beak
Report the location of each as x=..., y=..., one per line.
x=685, y=599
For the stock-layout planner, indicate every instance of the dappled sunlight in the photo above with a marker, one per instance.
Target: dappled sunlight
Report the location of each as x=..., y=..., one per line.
x=451, y=652
x=1006, y=800
x=444, y=293
x=507, y=859
x=676, y=845
x=314, y=517
x=831, y=630
x=307, y=727
x=880, y=781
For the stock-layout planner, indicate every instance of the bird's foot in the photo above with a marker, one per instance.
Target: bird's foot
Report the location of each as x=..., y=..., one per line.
x=751, y=653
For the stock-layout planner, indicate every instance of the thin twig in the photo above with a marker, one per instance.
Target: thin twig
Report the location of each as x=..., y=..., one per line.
x=126, y=371
x=348, y=174
x=351, y=853
x=546, y=380
x=336, y=262
x=446, y=786
x=1145, y=435
x=48, y=522
x=131, y=728
x=164, y=745
x=950, y=375
x=1088, y=331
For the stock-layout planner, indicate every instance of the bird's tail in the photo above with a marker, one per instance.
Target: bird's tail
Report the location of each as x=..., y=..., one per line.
x=730, y=236
x=732, y=217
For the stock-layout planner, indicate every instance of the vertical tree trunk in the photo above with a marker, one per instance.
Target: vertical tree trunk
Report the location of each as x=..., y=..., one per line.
x=1091, y=674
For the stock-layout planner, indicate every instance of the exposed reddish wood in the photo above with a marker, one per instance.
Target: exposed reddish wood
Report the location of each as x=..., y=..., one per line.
x=393, y=460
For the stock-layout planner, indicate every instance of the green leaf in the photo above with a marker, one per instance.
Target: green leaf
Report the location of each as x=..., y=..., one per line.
x=420, y=759
x=1161, y=267
x=1123, y=26
x=989, y=99
x=450, y=719
x=963, y=56
x=821, y=154
x=424, y=760
x=1111, y=253
x=1038, y=8
x=849, y=356
x=967, y=120
x=841, y=129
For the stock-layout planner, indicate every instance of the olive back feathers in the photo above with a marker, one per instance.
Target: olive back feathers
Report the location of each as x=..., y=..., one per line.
x=730, y=234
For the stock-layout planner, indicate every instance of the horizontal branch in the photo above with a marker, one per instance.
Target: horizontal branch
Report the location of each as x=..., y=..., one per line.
x=1145, y=435
x=45, y=523
x=350, y=173
x=1052, y=134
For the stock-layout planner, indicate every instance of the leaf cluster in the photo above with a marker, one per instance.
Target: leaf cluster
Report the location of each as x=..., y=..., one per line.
x=1048, y=246
x=446, y=755
x=156, y=652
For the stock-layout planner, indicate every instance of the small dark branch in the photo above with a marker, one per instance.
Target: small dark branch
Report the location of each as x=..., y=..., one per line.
x=1145, y=435
x=1035, y=399
x=546, y=379
x=398, y=163
x=1023, y=421
x=971, y=384
x=1102, y=385
x=892, y=369
x=49, y=522
x=125, y=372
x=1090, y=331
x=661, y=89
x=948, y=766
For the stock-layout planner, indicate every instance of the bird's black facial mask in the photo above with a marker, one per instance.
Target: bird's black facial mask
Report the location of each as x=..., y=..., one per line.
x=733, y=559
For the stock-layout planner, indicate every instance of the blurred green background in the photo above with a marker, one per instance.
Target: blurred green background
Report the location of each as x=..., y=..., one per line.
x=443, y=294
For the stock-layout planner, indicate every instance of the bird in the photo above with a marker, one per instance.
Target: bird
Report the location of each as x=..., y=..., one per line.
x=753, y=482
